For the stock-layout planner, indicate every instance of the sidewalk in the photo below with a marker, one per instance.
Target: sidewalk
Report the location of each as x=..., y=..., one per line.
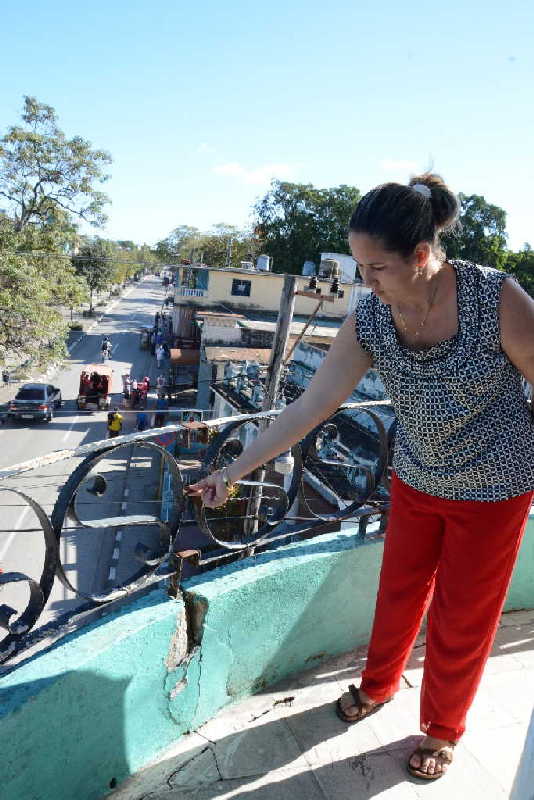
x=288, y=744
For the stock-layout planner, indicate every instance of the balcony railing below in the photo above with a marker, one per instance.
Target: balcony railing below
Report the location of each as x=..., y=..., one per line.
x=184, y=291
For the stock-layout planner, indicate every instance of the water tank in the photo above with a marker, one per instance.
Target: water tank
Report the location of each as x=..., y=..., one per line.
x=263, y=263
x=309, y=268
x=231, y=370
x=329, y=268
x=257, y=395
x=253, y=370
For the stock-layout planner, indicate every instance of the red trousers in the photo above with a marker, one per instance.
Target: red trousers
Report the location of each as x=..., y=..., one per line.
x=454, y=558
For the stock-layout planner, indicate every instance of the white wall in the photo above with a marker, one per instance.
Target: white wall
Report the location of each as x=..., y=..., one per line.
x=220, y=333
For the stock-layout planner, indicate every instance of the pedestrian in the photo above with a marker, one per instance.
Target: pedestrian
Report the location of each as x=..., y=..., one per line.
x=450, y=340
x=160, y=384
x=142, y=420
x=160, y=418
x=5, y=376
x=114, y=423
x=160, y=355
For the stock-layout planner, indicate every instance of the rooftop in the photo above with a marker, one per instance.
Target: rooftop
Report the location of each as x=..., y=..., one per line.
x=288, y=744
x=221, y=683
x=261, y=355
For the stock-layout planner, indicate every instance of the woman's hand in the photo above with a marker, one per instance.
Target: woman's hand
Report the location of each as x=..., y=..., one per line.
x=211, y=490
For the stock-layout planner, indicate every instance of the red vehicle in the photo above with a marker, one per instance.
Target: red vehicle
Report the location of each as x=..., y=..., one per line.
x=95, y=387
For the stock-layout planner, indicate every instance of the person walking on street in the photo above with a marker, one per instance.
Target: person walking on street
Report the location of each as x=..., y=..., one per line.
x=5, y=376
x=160, y=418
x=160, y=385
x=114, y=423
x=160, y=355
x=451, y=341
x=142, y=420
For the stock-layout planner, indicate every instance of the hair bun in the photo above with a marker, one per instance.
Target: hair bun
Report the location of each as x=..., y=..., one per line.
x=445, y=206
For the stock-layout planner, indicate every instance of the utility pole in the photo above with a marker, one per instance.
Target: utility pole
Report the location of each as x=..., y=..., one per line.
x=274, y=375
x=280, y=342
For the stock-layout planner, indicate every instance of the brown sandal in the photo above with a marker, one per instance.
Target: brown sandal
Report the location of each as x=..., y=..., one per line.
x=446, y=758
x=364, y=709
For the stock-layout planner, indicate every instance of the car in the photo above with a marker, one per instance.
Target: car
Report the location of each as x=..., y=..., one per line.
x=35, y=401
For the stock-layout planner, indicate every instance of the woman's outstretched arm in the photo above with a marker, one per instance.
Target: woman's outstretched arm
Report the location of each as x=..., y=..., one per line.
x=517, y=327
x=342, y=369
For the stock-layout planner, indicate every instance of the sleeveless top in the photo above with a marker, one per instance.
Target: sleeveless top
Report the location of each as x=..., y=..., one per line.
x=464, y=429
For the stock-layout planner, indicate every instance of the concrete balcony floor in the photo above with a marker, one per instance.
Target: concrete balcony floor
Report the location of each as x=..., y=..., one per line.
x=288, y=744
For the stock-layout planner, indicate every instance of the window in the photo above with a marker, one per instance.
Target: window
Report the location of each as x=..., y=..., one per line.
x=30, y=394
x=241, y=288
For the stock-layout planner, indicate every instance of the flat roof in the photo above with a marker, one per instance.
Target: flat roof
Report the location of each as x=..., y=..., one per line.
x=325, y=331
x=260, y=354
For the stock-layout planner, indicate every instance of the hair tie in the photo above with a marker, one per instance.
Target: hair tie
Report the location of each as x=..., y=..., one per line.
x=420, y=188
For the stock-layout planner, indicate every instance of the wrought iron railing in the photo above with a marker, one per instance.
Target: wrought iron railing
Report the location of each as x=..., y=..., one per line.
x=184, y=291
x=98, y=481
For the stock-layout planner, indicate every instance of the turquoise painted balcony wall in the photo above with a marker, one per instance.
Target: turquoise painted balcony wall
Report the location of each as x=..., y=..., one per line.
x=77, y=719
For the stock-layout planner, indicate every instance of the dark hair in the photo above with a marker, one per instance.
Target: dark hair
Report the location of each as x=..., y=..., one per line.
x=401, y=217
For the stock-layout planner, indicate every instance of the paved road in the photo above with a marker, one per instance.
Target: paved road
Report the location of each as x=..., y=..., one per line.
x=85, y=554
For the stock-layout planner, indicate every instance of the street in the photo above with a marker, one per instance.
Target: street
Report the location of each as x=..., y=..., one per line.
x=85, y=553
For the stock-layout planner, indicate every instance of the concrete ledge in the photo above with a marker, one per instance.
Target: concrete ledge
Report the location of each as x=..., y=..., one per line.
x=79, y=718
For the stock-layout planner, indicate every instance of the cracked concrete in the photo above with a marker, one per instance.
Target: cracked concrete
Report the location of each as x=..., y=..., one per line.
x=287, y=743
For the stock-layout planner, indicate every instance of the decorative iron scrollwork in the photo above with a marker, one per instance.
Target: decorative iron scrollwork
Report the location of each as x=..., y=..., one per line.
x=266, y=527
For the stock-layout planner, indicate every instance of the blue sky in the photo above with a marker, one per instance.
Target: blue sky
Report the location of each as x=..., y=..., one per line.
x=200, y=107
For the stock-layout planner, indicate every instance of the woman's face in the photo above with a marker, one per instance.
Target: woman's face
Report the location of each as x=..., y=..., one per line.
x=387, y=274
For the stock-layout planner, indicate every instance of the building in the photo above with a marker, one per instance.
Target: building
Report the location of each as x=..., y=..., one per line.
x=241, y=290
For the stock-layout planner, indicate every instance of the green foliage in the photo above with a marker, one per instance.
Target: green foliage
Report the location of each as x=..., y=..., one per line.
x=521, y=266
x=481, y=234
x=177, y=244
x=223, y=246
x=42, y=173
x=35, y=281
x=94, y=263
x=296, y=222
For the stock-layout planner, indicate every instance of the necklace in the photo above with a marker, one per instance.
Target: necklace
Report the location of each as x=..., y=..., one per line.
x=422, y=324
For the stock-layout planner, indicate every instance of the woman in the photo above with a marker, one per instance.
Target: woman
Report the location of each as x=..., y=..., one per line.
x=450, y=341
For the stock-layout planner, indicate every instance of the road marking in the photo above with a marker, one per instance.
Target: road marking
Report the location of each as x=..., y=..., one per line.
x=68, y=433
x=12, y=535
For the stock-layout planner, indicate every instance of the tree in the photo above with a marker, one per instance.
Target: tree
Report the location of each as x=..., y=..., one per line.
x=296, y=222
x=95, y=263
x=223, y=246
x=521, y=266
x=42, y=173
x=177, y=244
x=481, y=233
x=36, y=279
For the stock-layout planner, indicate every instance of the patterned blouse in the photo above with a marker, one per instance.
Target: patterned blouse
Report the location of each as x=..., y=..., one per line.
x=464, y=429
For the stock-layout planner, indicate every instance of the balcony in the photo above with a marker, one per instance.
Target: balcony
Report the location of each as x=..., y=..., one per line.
x=206, y=665
x=184, y=291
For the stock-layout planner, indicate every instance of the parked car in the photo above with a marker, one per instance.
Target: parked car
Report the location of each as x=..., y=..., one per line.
x=35, y=401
